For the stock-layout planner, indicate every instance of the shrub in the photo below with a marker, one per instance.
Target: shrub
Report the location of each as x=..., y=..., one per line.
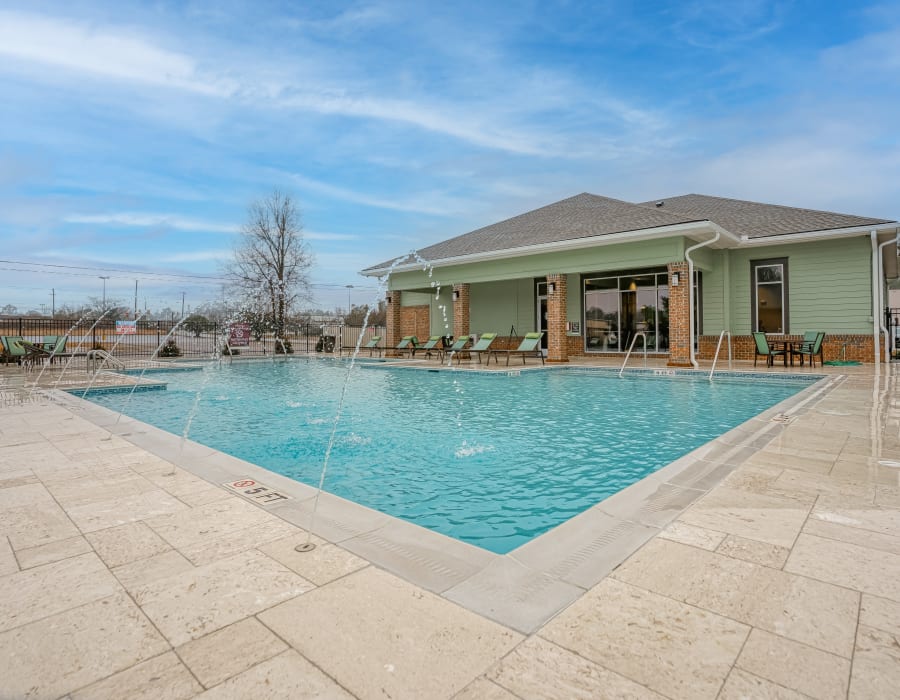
x=170, y=349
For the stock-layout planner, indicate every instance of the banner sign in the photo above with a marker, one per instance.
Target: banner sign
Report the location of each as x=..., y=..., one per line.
x=126, y=327
x=239, y=336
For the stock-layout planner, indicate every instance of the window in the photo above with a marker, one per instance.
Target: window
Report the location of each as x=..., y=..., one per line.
x=769, y=282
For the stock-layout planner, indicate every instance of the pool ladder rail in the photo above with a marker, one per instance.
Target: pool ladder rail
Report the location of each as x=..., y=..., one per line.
x=638, y=334
x=718, y=348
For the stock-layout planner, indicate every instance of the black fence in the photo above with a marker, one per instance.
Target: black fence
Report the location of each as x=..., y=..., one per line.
x=145, y=338
x=892, y=322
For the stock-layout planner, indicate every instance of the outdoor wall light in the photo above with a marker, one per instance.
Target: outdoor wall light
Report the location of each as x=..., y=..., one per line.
x=675, y=279
x=551, y=288
x=455, y=295
x=388, y=297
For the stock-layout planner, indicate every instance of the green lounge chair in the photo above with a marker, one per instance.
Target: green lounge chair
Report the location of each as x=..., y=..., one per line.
x=763, y=348
x=372, y=345
x=13, y=349
x=55, y=345
x=811, y=349
x=529, y=347
x=408, y=343
x=484, y=346
x=458, y=348
x=433, y=344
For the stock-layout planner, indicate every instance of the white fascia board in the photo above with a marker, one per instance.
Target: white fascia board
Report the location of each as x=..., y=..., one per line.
x=692, y=227
x=890, y=227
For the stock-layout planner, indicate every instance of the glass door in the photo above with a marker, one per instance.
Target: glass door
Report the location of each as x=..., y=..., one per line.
x=541, y=307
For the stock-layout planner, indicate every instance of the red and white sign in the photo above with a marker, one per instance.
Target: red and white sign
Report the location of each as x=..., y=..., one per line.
x=255, y=491
x=126, y=327
x=239, y=336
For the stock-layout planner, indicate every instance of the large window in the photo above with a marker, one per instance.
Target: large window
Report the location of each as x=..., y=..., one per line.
x=616, y=307
x=769, y=280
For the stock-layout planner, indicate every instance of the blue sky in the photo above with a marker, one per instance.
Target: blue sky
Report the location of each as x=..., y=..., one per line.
x=134, y=135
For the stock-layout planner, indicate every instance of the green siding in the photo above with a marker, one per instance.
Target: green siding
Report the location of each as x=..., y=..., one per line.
x=829, y=286
x=620, y=256
x=495, y=306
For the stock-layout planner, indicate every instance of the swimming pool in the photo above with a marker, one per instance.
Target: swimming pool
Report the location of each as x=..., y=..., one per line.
x=488, y=458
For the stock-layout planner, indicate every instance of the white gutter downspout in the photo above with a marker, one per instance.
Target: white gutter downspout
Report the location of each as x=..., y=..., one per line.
x=687, y=256
x=876, y=298
x=880, y=263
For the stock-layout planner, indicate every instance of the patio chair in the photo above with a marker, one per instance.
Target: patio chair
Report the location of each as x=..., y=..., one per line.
x=529, y=347
x=811, y=348
x=484, y=346
x=433, y=344
x=763, y=348
x=55, y=345
x=408, y=344
x=458, y=348
x=372, y=345
x=13, y=349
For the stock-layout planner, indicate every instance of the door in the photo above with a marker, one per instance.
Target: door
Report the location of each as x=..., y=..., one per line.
x=541, y=309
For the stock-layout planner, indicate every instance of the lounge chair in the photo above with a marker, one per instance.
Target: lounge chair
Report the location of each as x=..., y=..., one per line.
x=372, y=345
x=458, y=348
x=484, y=345
x=811, y=348
x=529, y=347
x=763, y=348
x=433, y=344
x=13, y=348
x=55, y=345
x=408, y=343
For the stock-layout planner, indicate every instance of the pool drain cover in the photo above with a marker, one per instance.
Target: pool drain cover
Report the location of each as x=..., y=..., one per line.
x=305, y=547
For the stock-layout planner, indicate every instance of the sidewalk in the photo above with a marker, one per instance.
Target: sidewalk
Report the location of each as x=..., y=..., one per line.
x=124, y=576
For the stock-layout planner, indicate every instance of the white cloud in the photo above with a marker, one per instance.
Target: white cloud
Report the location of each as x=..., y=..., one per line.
x=104, y=52
x=198, y=256
x=143, y=219
x=437, y=205
x=324, y=236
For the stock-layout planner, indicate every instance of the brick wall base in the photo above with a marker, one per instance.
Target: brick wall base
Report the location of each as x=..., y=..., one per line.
x=855, y=347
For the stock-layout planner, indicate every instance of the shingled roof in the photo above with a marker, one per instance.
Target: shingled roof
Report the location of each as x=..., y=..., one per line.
x=757, y=220
x=589, y=215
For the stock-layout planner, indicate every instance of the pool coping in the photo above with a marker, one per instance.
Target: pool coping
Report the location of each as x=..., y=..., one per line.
x=524, y=588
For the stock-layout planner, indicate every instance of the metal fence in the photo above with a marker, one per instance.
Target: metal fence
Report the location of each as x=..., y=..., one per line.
x=148, y=336
x=892, y=322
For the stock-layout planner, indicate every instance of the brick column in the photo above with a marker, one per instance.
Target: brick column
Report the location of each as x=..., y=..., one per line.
x=460, y=310
x=557, y=345
x=393, y=323
x=679, y=317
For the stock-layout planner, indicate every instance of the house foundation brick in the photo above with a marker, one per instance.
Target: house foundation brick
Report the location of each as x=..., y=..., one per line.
x=679, y=316
x=557, y=301
x=393, y=330
x=461, y=310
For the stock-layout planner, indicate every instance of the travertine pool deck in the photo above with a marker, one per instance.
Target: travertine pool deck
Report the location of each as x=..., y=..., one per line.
x=764, y=565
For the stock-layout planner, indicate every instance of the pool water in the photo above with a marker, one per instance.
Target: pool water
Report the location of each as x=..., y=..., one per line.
x=490, y=459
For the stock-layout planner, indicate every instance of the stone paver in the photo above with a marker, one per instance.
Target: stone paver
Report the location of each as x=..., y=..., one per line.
x=674, y=649
x=196, y=602
x=59, y=654
x=230, y=651
x=125, y=575
x=381, y=635
x=126, y=543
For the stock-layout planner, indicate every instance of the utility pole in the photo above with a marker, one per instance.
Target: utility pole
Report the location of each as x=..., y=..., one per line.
x=53, y=308
x=104, y=278
x=182, y=305
x=135, y=300
x=349, y=289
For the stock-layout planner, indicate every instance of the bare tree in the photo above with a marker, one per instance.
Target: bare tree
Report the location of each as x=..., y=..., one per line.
x=272, y=261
